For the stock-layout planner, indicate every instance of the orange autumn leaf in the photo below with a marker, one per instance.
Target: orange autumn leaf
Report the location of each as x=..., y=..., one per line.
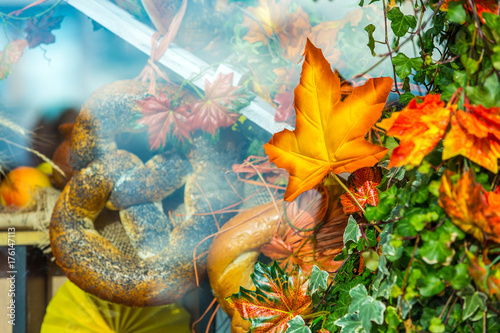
x=475, y=135
x=329, y=134
x=466, y=204
x=419, y=127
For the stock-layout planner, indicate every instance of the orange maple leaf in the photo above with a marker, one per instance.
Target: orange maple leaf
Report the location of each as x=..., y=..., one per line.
x=329, y=134
x=466, y=204
x=475, y=135
x=419, y=127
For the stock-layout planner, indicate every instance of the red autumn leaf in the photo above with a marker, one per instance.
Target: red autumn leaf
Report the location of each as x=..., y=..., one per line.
x=475, y=135
x=466, y=204
x=215, y=111
x=285, y=111
x=419, y=127
x=363, y=185
x=163, y=120
x=277, y=299
x=11, y=55
x=39, y=29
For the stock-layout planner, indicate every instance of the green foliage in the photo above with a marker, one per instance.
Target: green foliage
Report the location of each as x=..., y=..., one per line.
x=400, y=23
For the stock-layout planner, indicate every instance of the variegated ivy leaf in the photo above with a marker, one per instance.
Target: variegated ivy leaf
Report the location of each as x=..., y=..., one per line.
x=297, y=325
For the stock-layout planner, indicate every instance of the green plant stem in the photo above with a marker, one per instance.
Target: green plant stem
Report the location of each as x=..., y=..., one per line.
x=389, y=49
x=385, y=55
x=315, y=314
x=331, y=282
x=408, y=273
x=6, y=16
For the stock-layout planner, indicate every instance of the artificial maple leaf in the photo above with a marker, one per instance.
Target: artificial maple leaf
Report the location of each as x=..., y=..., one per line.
x=419, y=127
x=277, y=299
x=284, y=111
x=466, y=204
x=216, y=110
x=11, y=55
x=363, y=185
x=163, y=120
x=39, y=29
x=475, y=135
x=329, y=134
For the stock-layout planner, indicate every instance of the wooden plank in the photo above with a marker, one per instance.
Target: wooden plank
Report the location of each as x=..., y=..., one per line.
x=177, y=59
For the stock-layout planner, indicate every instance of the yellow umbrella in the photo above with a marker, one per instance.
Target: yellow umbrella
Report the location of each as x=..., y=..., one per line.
x=75, y=311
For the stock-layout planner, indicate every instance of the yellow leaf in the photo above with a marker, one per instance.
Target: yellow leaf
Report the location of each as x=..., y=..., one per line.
x=329, y=135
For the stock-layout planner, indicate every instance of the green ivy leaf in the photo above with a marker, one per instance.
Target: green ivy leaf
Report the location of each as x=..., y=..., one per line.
x=352, y=231
x=436, y=325
x=367, y=307
x=434, y=251
x=371, y=259
x=400, y=23
x=392, y=318
x=317, y=284
x=471, y=65
x=432, y=285
x=487, y=94
x=406, y=97
x=350, y=323
x=474, y=302
x=370, y=28
x=456, y=13
x=460, y=277
x=403, y=65
x=297, y=325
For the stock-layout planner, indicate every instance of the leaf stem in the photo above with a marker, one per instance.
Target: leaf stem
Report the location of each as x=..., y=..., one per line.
x=341, y=183
x=331, y=282
x=408, y=272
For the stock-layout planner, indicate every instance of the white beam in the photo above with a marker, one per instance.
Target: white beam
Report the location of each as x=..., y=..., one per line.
x=177, y=59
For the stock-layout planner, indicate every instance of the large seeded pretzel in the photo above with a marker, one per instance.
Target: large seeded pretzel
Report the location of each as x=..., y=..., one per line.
x=106, y=176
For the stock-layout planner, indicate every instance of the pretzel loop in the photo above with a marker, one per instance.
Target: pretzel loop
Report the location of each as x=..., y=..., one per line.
x=117, y=179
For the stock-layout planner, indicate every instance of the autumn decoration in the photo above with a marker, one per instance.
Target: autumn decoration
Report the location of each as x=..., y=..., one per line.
x=317, y=147
x=383, y=188
x=422, y=195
